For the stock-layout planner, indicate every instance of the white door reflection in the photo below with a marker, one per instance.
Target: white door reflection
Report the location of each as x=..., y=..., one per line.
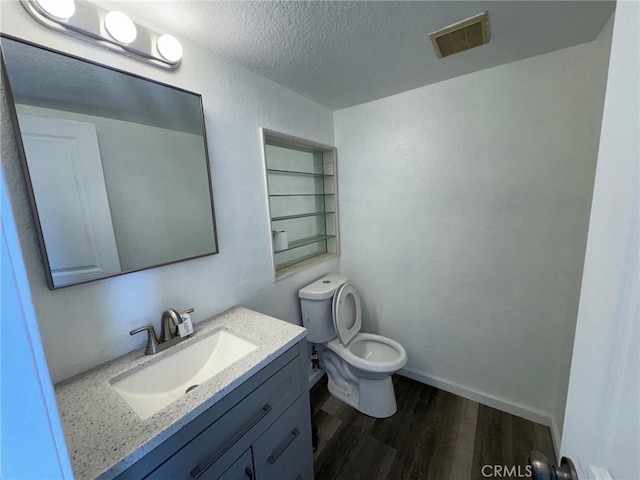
x=68, y=182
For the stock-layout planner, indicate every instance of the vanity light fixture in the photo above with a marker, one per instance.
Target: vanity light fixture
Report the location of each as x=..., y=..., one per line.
x=61, y=9
x=169, y=47
x=120, y=27
x=113, y=30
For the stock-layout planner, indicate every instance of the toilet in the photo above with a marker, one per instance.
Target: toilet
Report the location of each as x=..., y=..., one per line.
x=359, y=365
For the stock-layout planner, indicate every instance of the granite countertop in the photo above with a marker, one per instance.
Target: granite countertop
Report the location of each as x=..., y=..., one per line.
x=104, y=436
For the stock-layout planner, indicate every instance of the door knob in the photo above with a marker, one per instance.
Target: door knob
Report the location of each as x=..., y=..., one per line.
x=542, y=469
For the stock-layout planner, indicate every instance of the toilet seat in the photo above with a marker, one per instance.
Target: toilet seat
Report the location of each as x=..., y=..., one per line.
x=347, y=317
x=389, y=364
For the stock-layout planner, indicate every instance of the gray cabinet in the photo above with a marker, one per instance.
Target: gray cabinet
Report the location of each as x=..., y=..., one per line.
x=281, y=453
x=242, y=469
x=259, y=431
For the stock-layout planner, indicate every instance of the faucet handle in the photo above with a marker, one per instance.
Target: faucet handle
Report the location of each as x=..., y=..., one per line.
x=152, y=340
x=189, y=310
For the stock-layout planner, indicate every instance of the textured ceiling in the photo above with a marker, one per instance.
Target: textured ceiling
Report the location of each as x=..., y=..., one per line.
x=345, y=53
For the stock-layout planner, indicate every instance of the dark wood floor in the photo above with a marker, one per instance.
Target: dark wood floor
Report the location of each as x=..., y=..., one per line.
x=434, y=435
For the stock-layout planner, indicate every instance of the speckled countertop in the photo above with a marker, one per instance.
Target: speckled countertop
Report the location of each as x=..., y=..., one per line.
x=104, y=435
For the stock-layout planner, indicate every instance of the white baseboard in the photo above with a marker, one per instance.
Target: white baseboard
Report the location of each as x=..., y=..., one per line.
x=519, y=410
x=556, y=437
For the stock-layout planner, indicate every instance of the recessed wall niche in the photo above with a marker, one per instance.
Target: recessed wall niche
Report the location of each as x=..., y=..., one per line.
x=303, y=201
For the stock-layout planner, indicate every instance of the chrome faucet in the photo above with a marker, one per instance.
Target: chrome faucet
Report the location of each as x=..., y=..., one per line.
x=168, y=334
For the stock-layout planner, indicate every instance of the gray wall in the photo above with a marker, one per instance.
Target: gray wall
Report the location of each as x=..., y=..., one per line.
x=86, y=325
x=464, y=208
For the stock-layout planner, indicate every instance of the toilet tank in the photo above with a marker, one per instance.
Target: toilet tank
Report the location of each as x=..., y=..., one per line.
x=315, y=300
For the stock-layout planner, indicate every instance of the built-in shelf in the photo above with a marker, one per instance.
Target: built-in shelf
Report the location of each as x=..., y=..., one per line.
x=306, y=241
x=301, y=174
x=299, y=215
x=284, y=265
x=299, y=194
x=301, y=177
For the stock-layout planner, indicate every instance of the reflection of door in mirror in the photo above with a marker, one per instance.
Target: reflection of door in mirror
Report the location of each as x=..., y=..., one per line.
x=68, y=182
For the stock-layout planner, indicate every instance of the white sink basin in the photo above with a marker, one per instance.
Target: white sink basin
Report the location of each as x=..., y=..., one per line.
x=155, y=386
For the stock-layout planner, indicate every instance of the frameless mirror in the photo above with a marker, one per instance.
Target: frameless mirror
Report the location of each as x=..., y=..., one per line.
x=116, y=165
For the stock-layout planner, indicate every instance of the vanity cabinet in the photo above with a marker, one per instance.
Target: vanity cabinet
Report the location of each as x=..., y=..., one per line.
x=259, y=431
x=242, y=469
x=275, y=453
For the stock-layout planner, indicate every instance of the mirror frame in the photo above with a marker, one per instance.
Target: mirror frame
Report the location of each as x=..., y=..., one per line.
x=13, y=116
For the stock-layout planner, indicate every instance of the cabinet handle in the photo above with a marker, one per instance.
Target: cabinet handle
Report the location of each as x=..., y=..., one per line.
x=249, y=473
x=198, y=471
x=280, y=450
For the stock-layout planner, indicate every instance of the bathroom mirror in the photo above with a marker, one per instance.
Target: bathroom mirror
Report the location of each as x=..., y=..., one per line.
x=116, y=165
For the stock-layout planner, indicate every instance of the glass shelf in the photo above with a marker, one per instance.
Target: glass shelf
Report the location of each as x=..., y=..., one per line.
x=300, y=194
x=289, y=263
x=300, y=215
x=306, y=241
x=302, y=174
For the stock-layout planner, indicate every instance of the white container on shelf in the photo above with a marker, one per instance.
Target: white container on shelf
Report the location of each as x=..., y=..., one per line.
x=280, y=241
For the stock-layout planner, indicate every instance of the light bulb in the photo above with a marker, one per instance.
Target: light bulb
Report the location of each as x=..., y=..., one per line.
x=62, y=9
x=120, y=27
x=169, y=48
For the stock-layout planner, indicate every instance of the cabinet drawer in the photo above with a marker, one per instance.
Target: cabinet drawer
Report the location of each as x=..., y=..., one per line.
x=242, y=469
x=213, y=450
x=284, y=451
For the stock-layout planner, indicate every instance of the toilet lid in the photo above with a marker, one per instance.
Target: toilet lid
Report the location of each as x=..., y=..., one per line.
x=346, y=313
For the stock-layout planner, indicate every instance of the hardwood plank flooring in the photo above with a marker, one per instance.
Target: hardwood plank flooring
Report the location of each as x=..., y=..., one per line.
x=435, y=435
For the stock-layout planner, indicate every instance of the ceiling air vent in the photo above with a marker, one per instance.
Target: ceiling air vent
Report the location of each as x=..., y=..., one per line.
x=461, y=36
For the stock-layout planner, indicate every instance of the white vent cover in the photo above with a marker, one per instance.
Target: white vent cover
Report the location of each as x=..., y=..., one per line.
x=461, y=36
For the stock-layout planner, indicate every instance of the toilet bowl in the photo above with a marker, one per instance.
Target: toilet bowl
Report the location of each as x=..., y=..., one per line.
x=373, y=355
x=359, y=365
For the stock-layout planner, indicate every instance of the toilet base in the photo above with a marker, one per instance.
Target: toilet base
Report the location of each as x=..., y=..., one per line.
x=375, y=398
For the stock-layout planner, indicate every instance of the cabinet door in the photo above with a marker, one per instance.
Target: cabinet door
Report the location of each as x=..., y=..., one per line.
x=284, y=451
x=242, y=469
